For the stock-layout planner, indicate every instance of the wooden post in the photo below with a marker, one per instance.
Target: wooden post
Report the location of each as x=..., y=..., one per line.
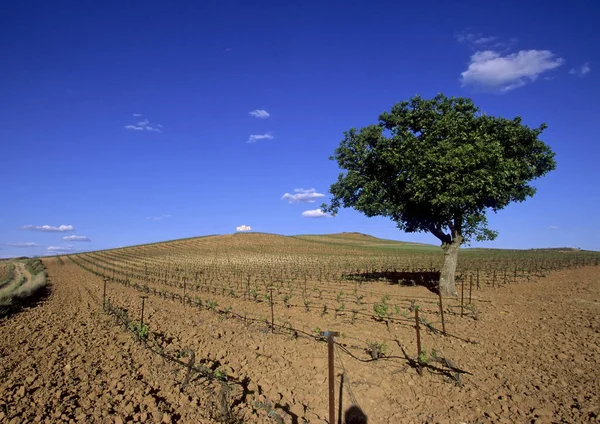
x=462, y=296
x=418, y=329
x=142, y=316
x=272, y=314
x=442, y=313
x=331, y=368
x=470, y=287
x=104, y=295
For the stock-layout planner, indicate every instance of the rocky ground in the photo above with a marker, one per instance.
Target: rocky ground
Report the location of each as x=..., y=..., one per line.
x=533, y=355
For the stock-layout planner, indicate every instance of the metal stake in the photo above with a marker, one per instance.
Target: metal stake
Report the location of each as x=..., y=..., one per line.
x=418, y=328
x=330, y=359
x=442, y=313
x=104, y=295
x=470, y=287
x=462, y=296
x=142, y=317
x=272, y=314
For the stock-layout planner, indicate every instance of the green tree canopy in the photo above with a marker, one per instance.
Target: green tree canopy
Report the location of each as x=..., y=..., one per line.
x=438, y=166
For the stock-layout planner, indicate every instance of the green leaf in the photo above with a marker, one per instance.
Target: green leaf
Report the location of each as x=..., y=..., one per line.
x=439, y=166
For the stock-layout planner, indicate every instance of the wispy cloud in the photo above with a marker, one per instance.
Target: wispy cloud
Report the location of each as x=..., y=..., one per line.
x=553, y=227
x=76, y=238
x=491, y=70
x=484, y=40
x=49, y=228
x=582, y=70
x=29, y=244
x=67, y=248
x=159, y=217
x=302, y=196
x=243, y=228
x=144, y=125
x=260, y=113
x=255, y=137
x=315, y=213
x=475, y=38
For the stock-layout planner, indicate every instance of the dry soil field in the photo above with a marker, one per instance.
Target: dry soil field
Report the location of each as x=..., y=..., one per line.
x=528, y=351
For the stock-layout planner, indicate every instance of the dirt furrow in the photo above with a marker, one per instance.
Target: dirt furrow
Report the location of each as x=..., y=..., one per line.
x=66, y=360
x=536, y=359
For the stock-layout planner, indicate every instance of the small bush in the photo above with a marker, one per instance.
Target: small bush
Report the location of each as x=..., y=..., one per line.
x=376, y=349
x=140, y=330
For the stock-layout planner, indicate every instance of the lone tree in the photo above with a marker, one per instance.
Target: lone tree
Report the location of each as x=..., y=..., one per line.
x=438, y=166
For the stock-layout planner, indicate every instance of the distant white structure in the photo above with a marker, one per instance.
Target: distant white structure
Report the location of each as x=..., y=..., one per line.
x=243, y=228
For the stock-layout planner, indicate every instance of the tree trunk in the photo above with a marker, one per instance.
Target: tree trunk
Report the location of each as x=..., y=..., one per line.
x=447, y=285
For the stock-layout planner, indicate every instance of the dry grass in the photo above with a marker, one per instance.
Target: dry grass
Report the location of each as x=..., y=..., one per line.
x=7, y=273
x=23, y=286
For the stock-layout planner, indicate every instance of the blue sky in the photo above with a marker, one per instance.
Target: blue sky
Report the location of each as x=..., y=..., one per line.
x=129, y=122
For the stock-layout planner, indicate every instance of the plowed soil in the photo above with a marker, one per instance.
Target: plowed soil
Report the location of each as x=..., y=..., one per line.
x=533, y=355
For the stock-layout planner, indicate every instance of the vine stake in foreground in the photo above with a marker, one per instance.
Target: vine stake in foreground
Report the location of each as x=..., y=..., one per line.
x=418, y=328
x=104, y=295
x=462, y=296
x=142, y=317
x=442, y=313
x=272, y=314
x=330, y=356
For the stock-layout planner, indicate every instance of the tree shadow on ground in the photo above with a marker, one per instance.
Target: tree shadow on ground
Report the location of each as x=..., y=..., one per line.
x=427, y=279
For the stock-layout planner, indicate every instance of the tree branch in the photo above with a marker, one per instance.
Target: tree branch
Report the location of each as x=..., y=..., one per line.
x=437, y=231
x=457, y=227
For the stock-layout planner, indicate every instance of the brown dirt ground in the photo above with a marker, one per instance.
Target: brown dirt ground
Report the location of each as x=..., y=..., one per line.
x=535, y=358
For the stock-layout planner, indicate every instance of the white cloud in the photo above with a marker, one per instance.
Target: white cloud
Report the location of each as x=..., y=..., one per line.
x=474, y=38
x=484, y=40
x=158, y=218
x=133, y=127
x=553, y=227
x=67, y=248
x=260, y=113
x=243, y=228
x=143, y=125
x=477, y=39
x=29, y=244
x=255, y=137
x=315, y=213
x=491, y=70
x=582, y=70
x=49, y=228
x=76, y=238
x=302, y=196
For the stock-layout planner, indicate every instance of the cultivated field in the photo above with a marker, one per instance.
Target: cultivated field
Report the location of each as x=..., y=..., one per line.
x=232, y=328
